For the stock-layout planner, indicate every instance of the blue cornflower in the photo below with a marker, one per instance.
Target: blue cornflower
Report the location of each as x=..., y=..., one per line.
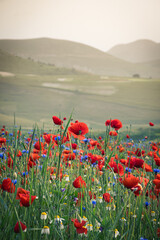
x=147, y=204
x=25, y=173
x=82, y=158
x=59, y=138
x=156, y=170
x=63, y=189
x=128, y=169
x=14, y=181
x=94, y=202
x=94, y=164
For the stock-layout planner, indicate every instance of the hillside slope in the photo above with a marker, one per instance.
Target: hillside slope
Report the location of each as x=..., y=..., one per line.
x=138, y=51
x=67, y=54
x=16, y=64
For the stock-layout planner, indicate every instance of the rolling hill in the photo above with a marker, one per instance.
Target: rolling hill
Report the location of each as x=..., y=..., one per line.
x=67, y=54
x=138, y=51
x=35, y=91
x=19, y=65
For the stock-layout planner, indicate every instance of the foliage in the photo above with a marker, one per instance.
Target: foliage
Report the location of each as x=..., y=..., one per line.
x=47, y=163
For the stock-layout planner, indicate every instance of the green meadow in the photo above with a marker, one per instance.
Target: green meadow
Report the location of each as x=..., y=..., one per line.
x=33, y=91
x=93, y=99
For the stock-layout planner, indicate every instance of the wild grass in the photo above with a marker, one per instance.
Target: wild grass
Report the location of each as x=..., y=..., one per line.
x=129, y=214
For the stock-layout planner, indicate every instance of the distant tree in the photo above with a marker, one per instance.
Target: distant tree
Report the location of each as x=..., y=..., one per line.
x=136, y=75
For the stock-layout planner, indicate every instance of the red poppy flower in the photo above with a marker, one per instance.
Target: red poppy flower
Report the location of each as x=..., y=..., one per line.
x=26, y=200
x=81, y=230
x=69, y=156
x=74, y=145
x=92, y=195
x=154, y=148
x=130, y=162
x=137, y=190
x=138, y=152
x=78, y=130
x=2, y=140
x=117, y=168
x=8, y=186
x=18, y=226
x=158, y=176
x=38, y=146
x=107, y=197
x=147, y=167
x=130, y=181
x=19, y=154
x=93, y=143
x=113, y=133
x=151, y=124
x=57, y=120
x=10, y=162
x=138, y=162
x=116, y=124
x=21, y=191
x=79, y=182
x=127, y=136
x=108, y=122
x=47, y=138
x=157, y=161
x=30, y=164
x=34, y=157
x=79, y=226
x=157, y=183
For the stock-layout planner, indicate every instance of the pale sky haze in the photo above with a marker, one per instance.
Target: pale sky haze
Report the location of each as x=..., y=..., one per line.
x=98, y=23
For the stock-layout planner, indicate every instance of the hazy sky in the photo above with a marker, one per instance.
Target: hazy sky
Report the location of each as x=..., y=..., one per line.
x=98, y=23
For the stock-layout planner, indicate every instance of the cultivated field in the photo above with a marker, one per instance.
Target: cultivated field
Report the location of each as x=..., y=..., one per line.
x=93, y=99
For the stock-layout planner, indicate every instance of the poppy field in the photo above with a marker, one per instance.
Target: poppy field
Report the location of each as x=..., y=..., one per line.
x=64, y=183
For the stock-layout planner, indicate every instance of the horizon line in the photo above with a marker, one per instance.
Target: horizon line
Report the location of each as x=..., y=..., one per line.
x=34, y=38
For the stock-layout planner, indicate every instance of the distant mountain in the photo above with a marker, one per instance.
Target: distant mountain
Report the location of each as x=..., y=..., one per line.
x=67, y=54
x=138, y=51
